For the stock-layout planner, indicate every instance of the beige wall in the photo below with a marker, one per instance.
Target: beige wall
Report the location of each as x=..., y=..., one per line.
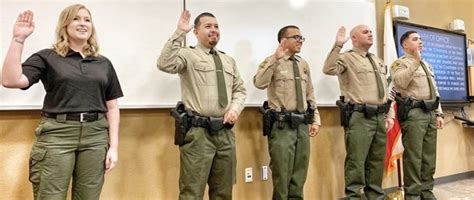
x=149, y=162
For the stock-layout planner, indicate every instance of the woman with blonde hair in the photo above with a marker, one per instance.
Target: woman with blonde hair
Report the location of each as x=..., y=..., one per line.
x=77, y=136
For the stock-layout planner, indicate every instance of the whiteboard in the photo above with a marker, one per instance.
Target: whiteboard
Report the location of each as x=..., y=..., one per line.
x=131, y=34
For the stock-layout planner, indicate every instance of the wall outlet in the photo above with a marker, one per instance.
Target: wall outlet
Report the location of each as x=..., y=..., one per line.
x=264, y=173
x=248, y=175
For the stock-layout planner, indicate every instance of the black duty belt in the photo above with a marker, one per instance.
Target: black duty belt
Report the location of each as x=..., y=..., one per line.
x=207, y=122
x=80, y=117
x=418, y=104
x=361, y=108
x=200, y=121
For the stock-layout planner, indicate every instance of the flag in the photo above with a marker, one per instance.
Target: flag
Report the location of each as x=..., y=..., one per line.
x=394, y=147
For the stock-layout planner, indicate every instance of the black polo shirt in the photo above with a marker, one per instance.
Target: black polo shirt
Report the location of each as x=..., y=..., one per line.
x=72, y=83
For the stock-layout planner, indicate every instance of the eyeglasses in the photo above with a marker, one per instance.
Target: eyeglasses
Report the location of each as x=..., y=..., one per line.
x=298, y=38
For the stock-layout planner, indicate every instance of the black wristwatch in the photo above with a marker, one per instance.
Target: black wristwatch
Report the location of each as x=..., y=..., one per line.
x=440, y=115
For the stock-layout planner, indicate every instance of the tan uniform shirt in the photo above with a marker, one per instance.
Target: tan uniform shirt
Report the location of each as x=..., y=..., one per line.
x=278, y=77
x=410, y=79
x=356, y=76
x=197, y=72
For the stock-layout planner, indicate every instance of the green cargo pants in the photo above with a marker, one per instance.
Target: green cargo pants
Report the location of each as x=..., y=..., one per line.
x=289, y=159
x=207, y=158
x=65, y=149
x=419, y=158
x=365, y=146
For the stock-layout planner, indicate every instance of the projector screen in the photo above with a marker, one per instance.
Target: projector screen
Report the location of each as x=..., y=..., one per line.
x=446, y=52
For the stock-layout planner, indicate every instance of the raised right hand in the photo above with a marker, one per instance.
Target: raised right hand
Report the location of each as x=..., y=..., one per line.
x=24, y=26
x=341, y=37
x=183, y=23
x=281, y=51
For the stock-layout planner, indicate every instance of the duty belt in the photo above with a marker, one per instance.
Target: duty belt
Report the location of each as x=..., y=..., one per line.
x=361, y=108
x=418, y=104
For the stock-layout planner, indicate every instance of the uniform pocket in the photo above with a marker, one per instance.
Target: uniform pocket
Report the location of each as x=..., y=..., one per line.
x=36, y=157
x=366, y=76
x=280, y=80
x=205, y=73
x=40, y=129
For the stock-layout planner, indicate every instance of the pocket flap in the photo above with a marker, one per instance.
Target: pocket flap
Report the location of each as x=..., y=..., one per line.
x=203, y=66
x=38, y=153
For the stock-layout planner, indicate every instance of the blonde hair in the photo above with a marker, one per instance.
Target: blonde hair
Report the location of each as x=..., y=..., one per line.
x=61, y=46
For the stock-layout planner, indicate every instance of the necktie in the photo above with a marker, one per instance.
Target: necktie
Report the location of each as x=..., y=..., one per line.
x=299, y=90
x=377, y=77
x=221, y=87
x=430, y=81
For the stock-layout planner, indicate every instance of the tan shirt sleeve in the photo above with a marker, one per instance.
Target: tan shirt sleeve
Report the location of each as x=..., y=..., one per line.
x=239, y=93
x=264, y=75
x=333, y=64
x=403, y=74
x=170, y=60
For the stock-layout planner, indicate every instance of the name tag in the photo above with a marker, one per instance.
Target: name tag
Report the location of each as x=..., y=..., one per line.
x=284, y=72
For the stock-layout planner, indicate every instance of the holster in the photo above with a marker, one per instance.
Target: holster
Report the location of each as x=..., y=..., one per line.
x=345, y=111
x=404, y=107
x=309, y=117
x=267, y=119
x=182, y=123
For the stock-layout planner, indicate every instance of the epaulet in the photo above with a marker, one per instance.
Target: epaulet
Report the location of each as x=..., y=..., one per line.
x=192, y=47
x=298, y=56
x=395, y=65
x=221, y=51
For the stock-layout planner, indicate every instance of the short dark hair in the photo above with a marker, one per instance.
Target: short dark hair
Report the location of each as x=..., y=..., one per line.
x=198, y=18
x=282, y=31
x=405, y=36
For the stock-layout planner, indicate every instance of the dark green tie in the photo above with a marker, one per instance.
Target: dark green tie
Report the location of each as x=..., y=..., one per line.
x=430, y=80
x=377, y=77
x=299, y=90
x=221, y=87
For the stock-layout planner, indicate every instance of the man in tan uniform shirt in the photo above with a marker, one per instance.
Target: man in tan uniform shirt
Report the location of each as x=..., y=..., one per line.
x=205, y=157
x=363, y=82
x=414, y=78
x=288, y=147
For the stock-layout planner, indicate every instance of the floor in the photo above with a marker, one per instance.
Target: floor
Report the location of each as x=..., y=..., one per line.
x=459, y=190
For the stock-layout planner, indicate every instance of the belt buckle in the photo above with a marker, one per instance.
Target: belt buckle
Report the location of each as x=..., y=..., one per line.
x=81, y=117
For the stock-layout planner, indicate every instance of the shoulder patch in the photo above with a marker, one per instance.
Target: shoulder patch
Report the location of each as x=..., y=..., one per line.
x=396, y=65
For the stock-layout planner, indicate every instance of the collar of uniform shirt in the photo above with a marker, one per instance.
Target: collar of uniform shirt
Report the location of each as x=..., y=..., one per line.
x=360, y=51
x=203, y=48
x=294, y=57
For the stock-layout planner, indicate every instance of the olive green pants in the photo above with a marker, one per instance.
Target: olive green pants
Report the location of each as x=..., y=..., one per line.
x=419, y=157
x=65, y=149
x=289, y=159
x=365, y=146
x=207, y=159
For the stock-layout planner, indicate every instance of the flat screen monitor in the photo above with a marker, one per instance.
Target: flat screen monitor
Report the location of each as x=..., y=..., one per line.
x=446, y=52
